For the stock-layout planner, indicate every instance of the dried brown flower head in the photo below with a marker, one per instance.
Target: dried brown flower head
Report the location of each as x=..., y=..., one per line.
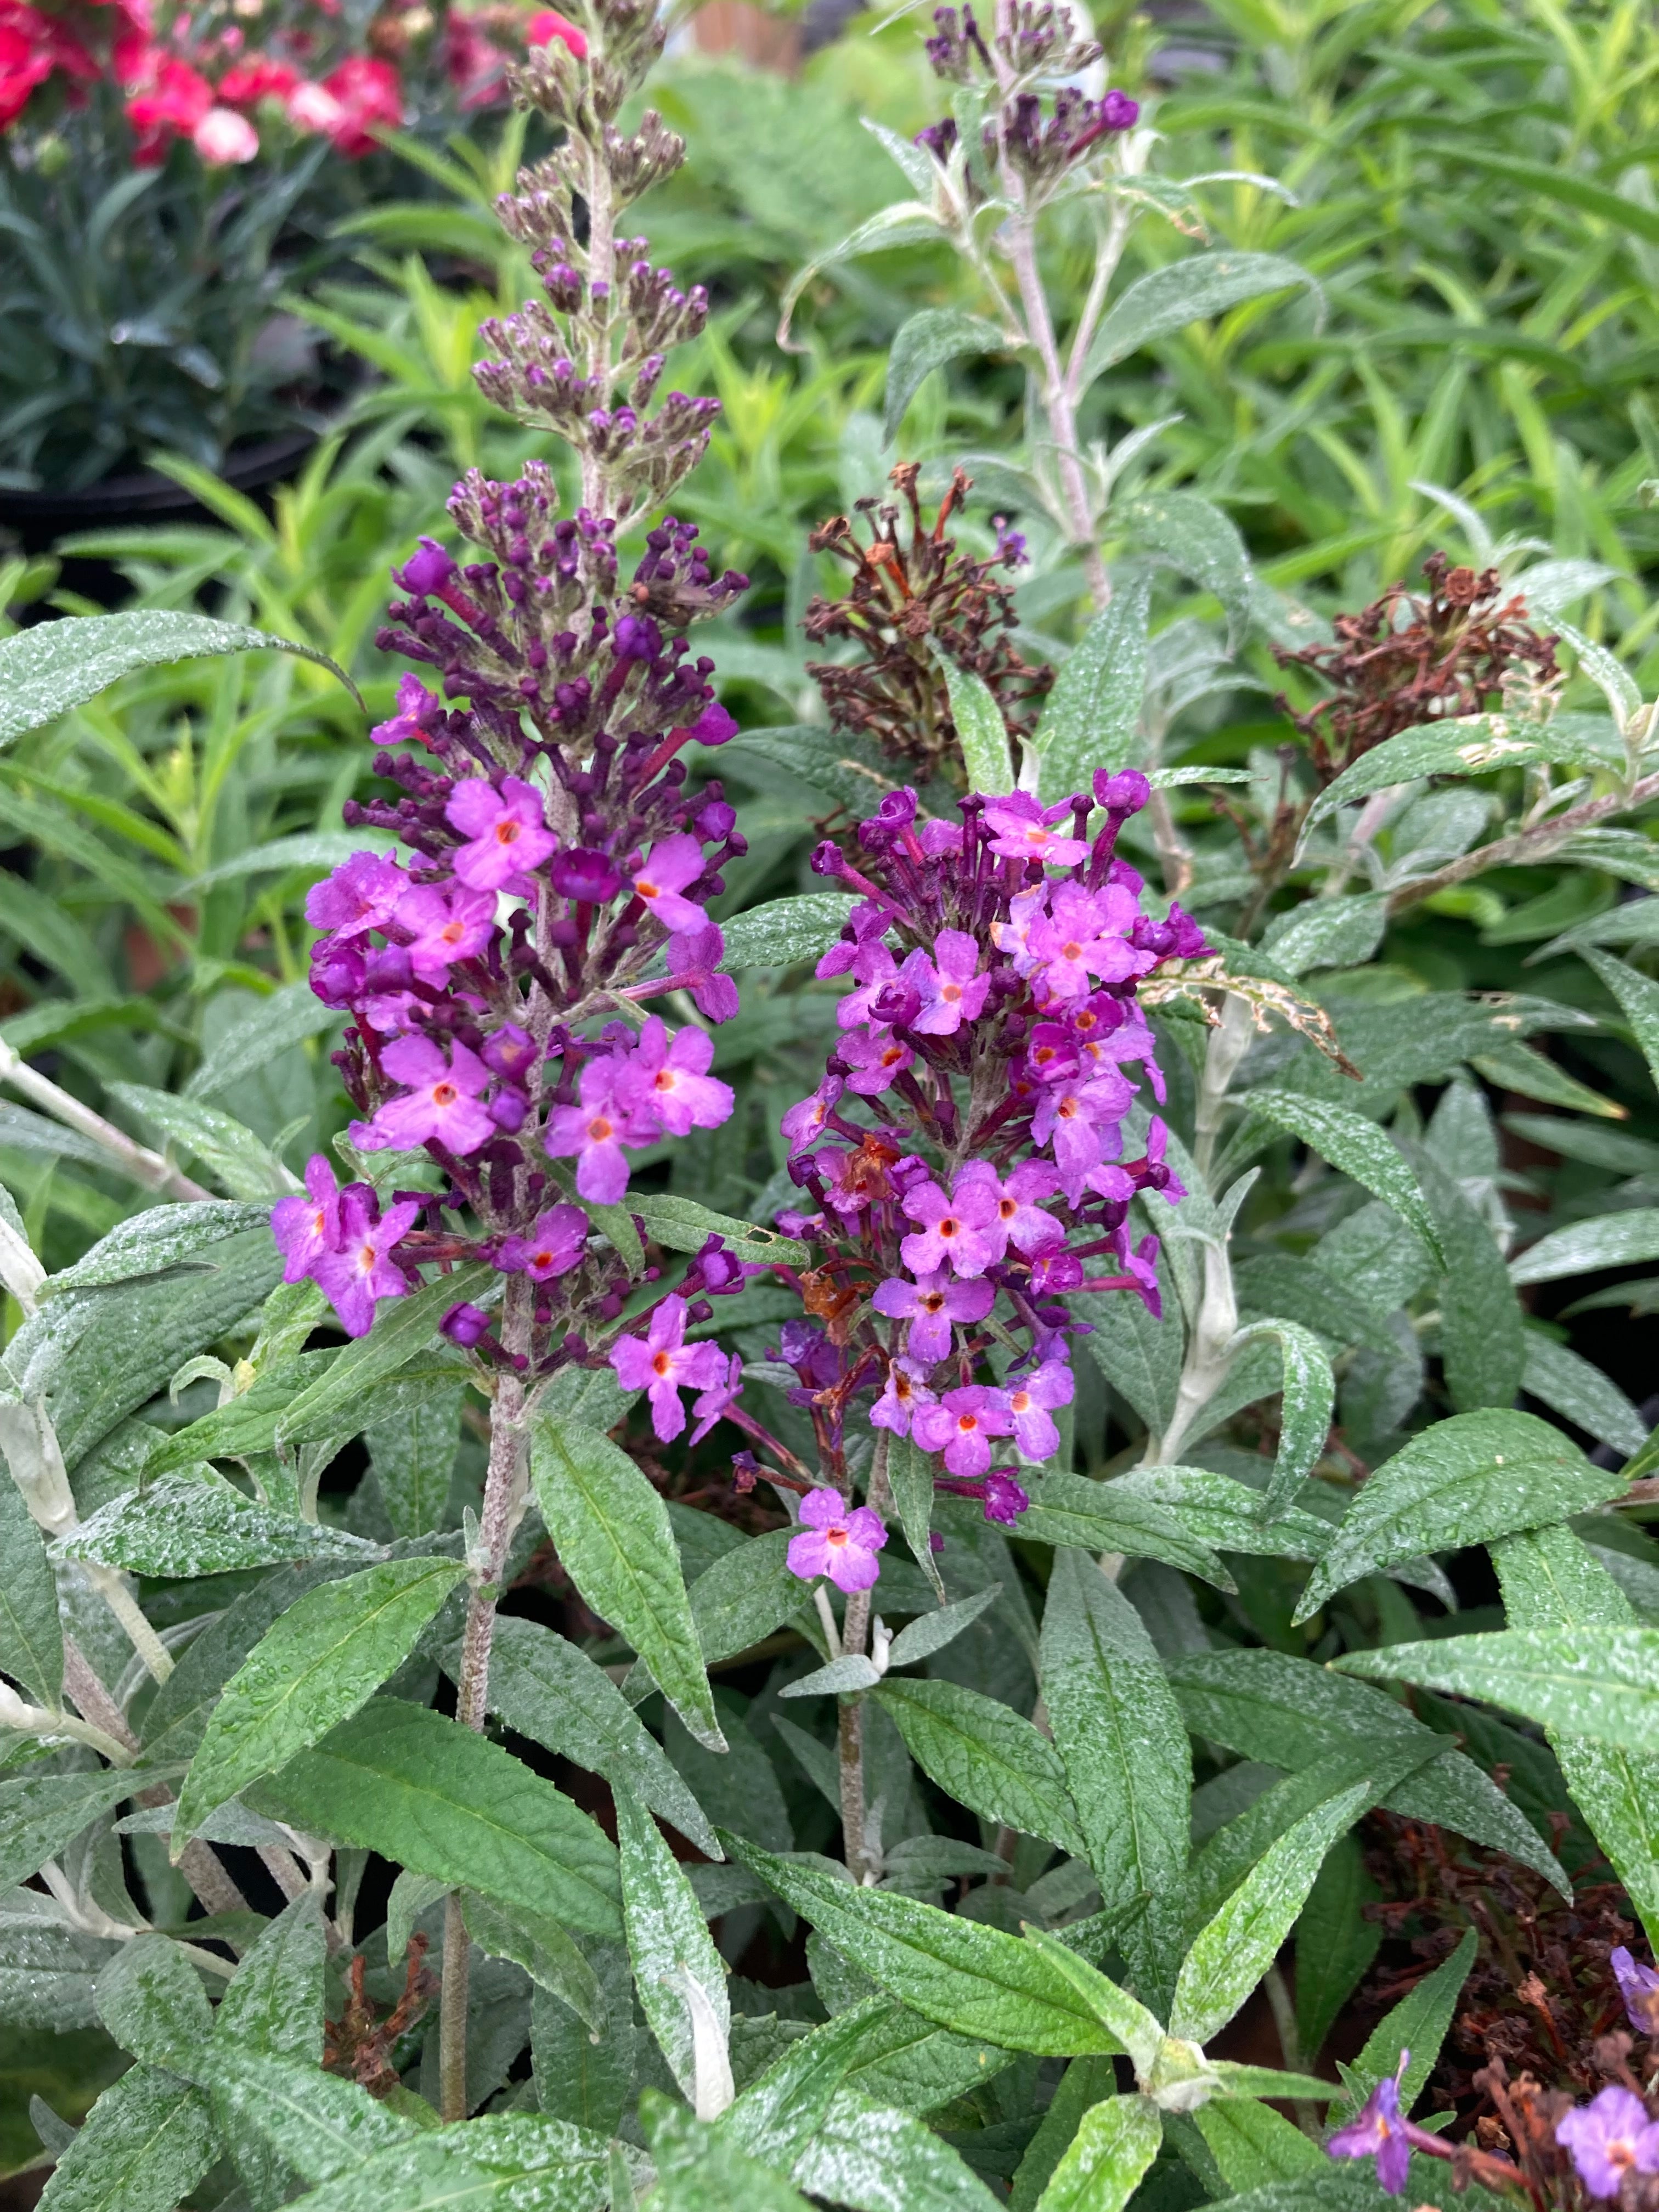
x=359, y=2046
x=911, y=607
x=1411, y=657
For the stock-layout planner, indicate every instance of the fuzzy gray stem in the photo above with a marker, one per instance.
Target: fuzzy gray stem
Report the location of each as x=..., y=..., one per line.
x=1528, y=847
x=451, y=2013
x=137, y=1160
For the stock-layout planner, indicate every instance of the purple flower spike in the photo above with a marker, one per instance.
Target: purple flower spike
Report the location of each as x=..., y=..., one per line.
x=1378, y=2131
x=1639, y=1985
x=836, y=1542
x=1608, y=2138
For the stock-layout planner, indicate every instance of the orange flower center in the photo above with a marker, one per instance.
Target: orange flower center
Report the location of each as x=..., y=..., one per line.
x=647, y=891
x=507, y=832
x=598, y=1128
x=444, y=1094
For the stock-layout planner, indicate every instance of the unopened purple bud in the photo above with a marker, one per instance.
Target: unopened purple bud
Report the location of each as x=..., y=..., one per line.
x=427, y=571
x=897, y=1005
x=509, y=1052
x=714, y=821
x=637, y=637
x=583, y=874
x=1118, y=112
x=507, y=1109
x=465, y=1325
x=1004, y=1499
x=713, y=725
x=1126, y=792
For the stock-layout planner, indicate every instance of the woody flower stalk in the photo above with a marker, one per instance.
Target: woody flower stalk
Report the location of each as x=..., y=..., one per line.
x=500, y=979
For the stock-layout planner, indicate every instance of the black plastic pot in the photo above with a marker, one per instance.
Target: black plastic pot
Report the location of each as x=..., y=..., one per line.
x=37, y=520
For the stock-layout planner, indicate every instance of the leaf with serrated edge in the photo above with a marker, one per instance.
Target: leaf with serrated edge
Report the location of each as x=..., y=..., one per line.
x=199, y=1524
x=1309, y=1395
x=1122, y=2016
x=986, y=1756
x=146, y=2143
x=1356, y=1146
x=325, y=1407
x=499, y=2162
x=1418, y=2024
x=702, y=2169
x=275, y=2000
x=316, y=2122
x=932, y=1631
x=316, y=1665
x=40, y=1814
x=1611, y=1240
x=880, y=2160
x=1230, y=1954
x=1116, y=2141
x=31, y=1635
x=785, y=930
x=431, y=1795
x=1599, y=1683
x=150, y=1999
x=926, y=343
x=1091, y=717
x=1465, y=1480
x=981, y=731
x=973, y=1978
x=615, y=1543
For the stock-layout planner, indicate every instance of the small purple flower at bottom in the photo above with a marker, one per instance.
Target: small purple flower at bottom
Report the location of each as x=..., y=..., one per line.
x=1002, y=1498
x=357, y=1271
x=1378, y=2131
x=836, y=1542
x=662, y=1364
x=709, y=1405
x=555, y=1245
x=1608, y=2138
x=1639, y=1985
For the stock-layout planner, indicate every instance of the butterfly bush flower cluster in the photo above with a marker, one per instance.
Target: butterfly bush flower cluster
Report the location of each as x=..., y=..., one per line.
x=1606, y=2150
x=964, y=1162
x=1039, y=46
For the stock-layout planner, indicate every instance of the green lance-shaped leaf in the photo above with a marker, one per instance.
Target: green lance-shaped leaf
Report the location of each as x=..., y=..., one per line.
x=431, y=1795
x=1184, y=292
x=682, y=1225
x=981, y=730
x=702, y=2169
x=1638, y=1001
x=1191, y=534
x=1335, y=1943
x=1121, y=2015
x=316, y=1665
x=1418, y=2024
x=412, y=1441
x=1104, y=1516
x=1124, y=1744
x=1309, y=1392
x=931, y=1631
x=1602, y=1683
x=317, y=2123
x=910, y=1478
x=31, y=1636
x=200, y=1524
x=1358, y=1147
x=1480, y=1334
x=1550, y=1580
x=1556, y=1376
x=45, y=671
x=964, y=1976
x=785, y=930
x=743, y=1596
x=1472, y=744
x=146, y=2143
x=776, y=2116
x=1091, y=718
x=1464, y=1481
x=1611, y=1240
x=500, y=2162
x=1255, y=2146
x=678, y=1972
x=150, y=1999
x=1104, y=2163
x=40, y=1814
x=333, y=1404
x=614, y=1541
x=275, y=2000
x=544, y=1688
x=552, y=1959
x=986, y=1756
x=276, y=1025
x=873, y=2158
x=926, y=343
x=1234, y=1950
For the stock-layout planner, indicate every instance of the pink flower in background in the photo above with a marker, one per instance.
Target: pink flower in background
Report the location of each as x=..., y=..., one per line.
x=443, y=1105
x=1608, y=2138
x=662, y=1364
x=547, y=24
x=364, y=92
x=505, y=831
x=836, y=1541
x=668, y=867
x=223, y=138
x=358, y=1272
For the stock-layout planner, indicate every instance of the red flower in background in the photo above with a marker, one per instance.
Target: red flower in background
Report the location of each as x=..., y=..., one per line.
x=547, y=24
x=171, y=99
x=22, y=66
x=361, y=92
x=32, y=46
x=257, y=78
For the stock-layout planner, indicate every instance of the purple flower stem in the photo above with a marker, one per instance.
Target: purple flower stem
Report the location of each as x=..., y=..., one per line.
x=854, y=1633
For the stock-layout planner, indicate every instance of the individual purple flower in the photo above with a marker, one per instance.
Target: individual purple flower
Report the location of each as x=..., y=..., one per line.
x=1378, y=2131
x=1127, y=792
x=505, y=832
x=693, y=961
x=952, y=991
x=363, y=894
x=358, y=1270
x=1031, y=1403
x=806, y=1121
x=307, y=1228
x=429, y=570
x=442, y=1104
x=466, y=1325
x=1020, y=1219
x=874, y=1064
x=1608, y=2138
x=962, y=1426
x=670, y=1084
x=902, y=1395
x=556, y=1242
x=595, y=1129
x=836, y=1542
x=1084, y=934
x=1071, y=1118
x=710, y=1405
x=444, y=928
x=510, y=1053
x=867, y=919
x=1639, y=1985
x=962, y=1230
x=1026, y=830
x=714, y=726
x=668, y=867
x=589, y=878
x=931, y=1306
x=662, y=1364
